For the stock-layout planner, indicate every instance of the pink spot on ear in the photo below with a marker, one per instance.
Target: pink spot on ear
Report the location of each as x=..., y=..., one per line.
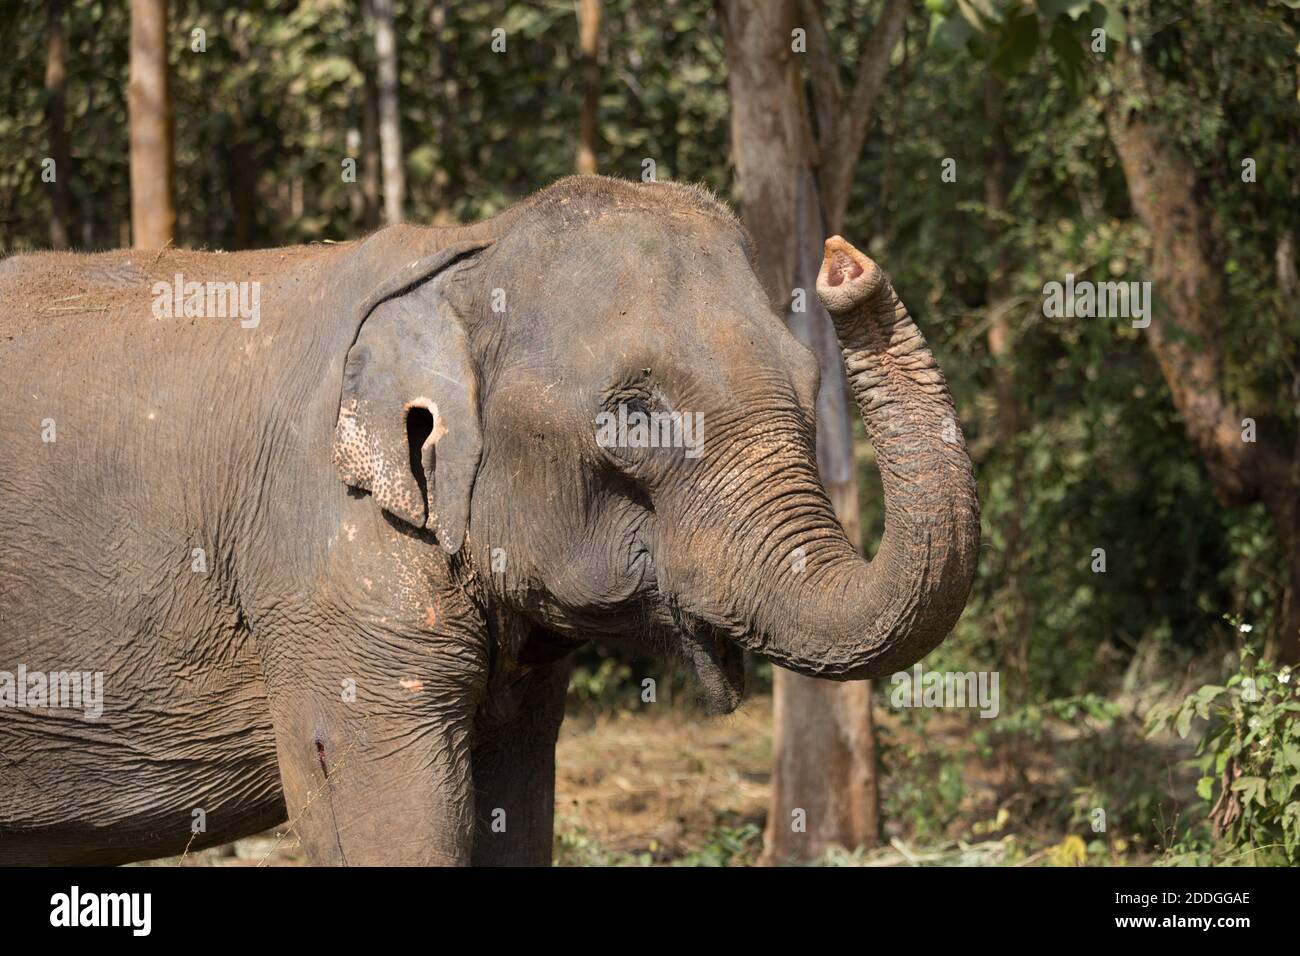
x=439, y=428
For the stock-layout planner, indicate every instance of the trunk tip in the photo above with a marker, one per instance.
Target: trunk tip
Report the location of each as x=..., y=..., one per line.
x=847, y=278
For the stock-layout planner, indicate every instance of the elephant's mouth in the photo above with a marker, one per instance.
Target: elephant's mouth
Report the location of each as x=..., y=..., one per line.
x=719, y=666
x=719, y=663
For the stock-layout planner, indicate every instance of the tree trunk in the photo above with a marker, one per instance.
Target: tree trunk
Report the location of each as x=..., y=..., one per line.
x=390, y=119
x=1010, y=415
x=241, y=174
x=1285, y=255
x=999, y=285
x=87, y=227
x=153, y=215
x=356, y=196
x=1183, y=333
x=589, y=45
x=370, y=174
x=55, y=76
x=824, y=790
x=443, y=84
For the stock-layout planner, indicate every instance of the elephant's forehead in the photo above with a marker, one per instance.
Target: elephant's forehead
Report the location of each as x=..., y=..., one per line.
x=639, y=322
x=647, y=276
x=633, y=291
x=599, y=260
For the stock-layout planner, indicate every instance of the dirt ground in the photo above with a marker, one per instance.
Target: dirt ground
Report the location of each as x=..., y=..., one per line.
x=632, y=788
x=669, y=786
x=659, y=786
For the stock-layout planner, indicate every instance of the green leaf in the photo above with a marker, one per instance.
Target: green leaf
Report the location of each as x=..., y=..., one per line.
x=1069, y=56
x=1291, y=756
x=1116, y=26
x=1205, y=696
x=1280, y=788
x=1205, y=788
x=1018, y=44
x=980, y=13
x=950, y=33
x=1252, y=788
x=1051, y=9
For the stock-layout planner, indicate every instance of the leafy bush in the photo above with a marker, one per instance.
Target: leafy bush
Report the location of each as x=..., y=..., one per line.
x=923, y=788
x=1249, y=757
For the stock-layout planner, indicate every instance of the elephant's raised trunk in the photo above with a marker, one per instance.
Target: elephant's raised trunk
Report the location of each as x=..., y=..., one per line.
x=850, y=619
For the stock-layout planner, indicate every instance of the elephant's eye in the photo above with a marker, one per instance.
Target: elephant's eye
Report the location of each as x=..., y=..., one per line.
x=630, y=398
x=623, y=424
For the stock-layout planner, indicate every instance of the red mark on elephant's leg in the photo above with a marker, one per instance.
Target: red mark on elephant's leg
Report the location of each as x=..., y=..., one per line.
x=320, y=755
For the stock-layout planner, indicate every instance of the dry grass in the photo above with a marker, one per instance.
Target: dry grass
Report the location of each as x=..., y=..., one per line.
x=660, y=781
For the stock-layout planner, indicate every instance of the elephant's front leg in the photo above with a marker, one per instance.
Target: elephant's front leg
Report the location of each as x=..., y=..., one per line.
x=372, y=725
x=514, y=765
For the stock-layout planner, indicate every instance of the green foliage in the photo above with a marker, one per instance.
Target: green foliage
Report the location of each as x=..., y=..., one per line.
x=1075, y=764
x=266, y=115
x=605, y=681
x=577, y=848
x=1006, y=34
x=1108, y=785
x=1248, y=756
x=926, y=788
x=727, y=846
x=1101, y=459
x=609, y=678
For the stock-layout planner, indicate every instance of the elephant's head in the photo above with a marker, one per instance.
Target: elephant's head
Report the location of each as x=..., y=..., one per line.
x=499, y=402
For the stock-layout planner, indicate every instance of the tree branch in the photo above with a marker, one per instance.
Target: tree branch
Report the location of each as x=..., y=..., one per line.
x=823, y=77
x=847, y=122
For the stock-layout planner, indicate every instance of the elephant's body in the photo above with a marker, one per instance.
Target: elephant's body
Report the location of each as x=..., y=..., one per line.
x=274, y=646
x=172, y=435
x=154, y=454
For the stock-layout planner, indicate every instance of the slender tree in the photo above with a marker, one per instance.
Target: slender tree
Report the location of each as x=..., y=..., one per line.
x=364, y=134
x=390, y=117
x=153, y=214
x=1010, y=413
x=794, y=187
x=55, y=76
x=371, y=175
x=588, y=44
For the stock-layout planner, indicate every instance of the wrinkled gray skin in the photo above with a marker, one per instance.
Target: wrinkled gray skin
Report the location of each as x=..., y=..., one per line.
x=410, y=407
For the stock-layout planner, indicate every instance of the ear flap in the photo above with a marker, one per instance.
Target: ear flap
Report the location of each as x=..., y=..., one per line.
x=408, y=428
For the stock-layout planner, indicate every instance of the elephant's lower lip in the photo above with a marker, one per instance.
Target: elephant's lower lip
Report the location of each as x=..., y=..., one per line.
x=722, y=691
x=719, y=666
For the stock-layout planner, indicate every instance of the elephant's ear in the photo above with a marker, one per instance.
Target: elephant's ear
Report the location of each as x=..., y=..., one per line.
x=408, y=428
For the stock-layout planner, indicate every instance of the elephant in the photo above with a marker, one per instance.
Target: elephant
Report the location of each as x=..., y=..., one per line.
x=329, y=521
